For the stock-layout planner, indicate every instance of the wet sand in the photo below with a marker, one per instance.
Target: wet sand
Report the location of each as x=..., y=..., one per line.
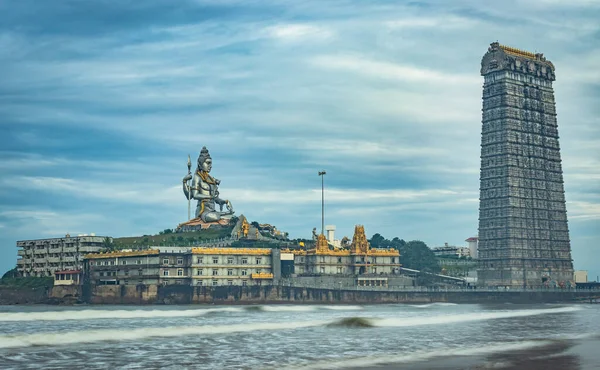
x=581, y=354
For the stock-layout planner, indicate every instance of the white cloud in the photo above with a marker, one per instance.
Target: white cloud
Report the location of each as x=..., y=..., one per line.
x=387, y=70
x=445, y=22
x=295, y=32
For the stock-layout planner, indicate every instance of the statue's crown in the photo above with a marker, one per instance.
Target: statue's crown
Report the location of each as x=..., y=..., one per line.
x=204, y=155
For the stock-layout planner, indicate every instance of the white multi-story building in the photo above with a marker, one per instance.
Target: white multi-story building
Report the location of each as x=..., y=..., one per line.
x=44, y=257
x=185, y=266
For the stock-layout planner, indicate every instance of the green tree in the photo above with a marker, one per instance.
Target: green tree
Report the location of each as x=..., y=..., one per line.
x=13, y=273
x=397, y=243
x=417, y=255
x=108, y=244
x=377, y=241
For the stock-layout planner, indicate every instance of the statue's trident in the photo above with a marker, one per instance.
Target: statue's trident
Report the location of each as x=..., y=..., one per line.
x=189, y=164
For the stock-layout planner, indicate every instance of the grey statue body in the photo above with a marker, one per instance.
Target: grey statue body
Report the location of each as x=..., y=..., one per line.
x=205, y=189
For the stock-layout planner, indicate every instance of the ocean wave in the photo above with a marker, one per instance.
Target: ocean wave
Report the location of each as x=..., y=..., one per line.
x=301, y=308
x=110, y=314
x=476, y=316
x=370, y=361
x=435, y=304
x=353, y=322
x=91, y=336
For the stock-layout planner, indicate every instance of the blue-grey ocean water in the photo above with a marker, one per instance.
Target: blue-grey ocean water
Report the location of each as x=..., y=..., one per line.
x=430, y=336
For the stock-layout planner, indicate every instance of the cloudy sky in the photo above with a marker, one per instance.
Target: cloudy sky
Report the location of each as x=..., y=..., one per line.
x=101, y=102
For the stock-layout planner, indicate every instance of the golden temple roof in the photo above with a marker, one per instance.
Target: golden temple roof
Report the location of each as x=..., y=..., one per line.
x=517, y=52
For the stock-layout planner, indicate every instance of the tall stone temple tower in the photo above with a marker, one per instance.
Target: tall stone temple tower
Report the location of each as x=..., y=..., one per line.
x=523, y=231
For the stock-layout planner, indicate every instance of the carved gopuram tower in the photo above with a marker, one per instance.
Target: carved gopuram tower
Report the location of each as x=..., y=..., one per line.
x=523, y=231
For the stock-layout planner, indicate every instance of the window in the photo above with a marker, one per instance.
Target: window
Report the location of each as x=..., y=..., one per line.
x=244, y=283
x=165, y=272
x=105, y=263
x=215, y=272
x=230, y=260
x=139, y=262
x=199, y=260
x=112, y=263
x=215, y=260
x=165, y=261
x=244, y=261
x=258, y=271
x=100, y=274
x=230, y=282
x=230, y=272
x=199, y=272
x=179, y=272
x=215, y=283
x=258, y=261
x=393, y=259
x=322, y=270
x=244, y=272
x=91, y=263
x=339, y=259
x=339, y=270
x=123, y=262
x=322, y=258
x=180, y=261
x=200, y=282
x=140, y=272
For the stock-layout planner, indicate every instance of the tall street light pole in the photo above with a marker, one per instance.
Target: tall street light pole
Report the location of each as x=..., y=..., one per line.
x=322, y=174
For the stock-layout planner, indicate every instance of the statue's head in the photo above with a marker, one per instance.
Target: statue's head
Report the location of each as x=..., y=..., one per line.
x=204, y=160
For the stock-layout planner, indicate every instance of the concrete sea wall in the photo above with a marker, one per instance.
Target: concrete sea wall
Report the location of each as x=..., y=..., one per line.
x=9, y=295
x=184, y=294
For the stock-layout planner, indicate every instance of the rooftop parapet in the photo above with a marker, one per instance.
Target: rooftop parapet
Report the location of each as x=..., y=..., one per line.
x=233, y=251
x=147, y=252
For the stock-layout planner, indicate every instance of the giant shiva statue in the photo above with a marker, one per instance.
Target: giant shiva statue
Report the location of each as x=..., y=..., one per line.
x=205, y=189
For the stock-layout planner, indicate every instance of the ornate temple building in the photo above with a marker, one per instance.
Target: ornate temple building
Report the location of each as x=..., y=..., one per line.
x=359, y=259
x=523, y=231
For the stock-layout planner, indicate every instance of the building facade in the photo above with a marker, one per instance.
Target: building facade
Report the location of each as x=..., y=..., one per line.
x=44, y=257
x=184, y=266
x=523, y=231
x=359, y=259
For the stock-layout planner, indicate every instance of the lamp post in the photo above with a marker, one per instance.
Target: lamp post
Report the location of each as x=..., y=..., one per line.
x=322, y=174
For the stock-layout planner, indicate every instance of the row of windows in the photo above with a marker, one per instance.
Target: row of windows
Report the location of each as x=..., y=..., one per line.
x=112, y=262
x=230, y=260
x=323, y=259
x=230, y=272
x=229, y=283
x=214, y=272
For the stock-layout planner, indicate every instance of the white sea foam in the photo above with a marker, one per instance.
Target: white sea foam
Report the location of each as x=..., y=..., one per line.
x=90, y=336
x=109, y=314
x=436, y=304
x=476, y=316
x=369, y=361
x=307, y=308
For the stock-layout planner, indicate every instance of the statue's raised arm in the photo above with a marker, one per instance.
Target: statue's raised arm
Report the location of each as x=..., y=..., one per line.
x=205, y=189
